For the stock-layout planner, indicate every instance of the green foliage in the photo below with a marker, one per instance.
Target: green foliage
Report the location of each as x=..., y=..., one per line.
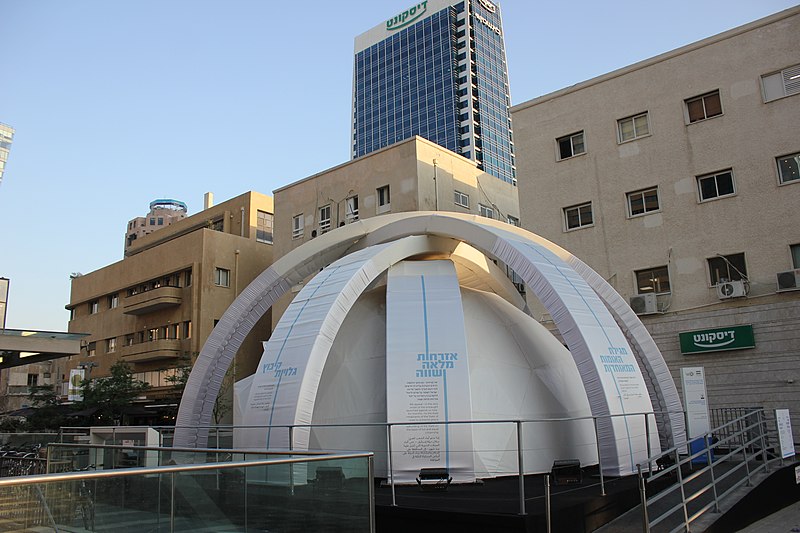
x=48, y=415
x=111, y=395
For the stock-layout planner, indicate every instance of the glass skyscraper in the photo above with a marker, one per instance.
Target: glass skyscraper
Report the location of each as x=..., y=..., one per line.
x=437, y=70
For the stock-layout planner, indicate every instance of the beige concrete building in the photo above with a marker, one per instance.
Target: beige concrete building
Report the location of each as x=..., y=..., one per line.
x=677, y=179
x=156, y=307
x=412, y=175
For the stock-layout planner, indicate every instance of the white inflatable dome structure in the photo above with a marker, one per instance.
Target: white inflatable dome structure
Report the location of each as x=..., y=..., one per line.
x=409, y=321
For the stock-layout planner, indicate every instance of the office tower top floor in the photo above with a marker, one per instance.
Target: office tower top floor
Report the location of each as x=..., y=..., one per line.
x=437, y=70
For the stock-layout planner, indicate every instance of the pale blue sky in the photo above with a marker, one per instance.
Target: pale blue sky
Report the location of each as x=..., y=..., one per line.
x=116, y=103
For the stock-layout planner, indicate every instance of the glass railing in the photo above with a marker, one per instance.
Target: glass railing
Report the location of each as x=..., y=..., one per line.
x=310, y=493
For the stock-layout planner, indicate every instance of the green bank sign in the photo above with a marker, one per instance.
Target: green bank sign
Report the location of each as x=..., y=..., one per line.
x=717, y=340
x=409, y=16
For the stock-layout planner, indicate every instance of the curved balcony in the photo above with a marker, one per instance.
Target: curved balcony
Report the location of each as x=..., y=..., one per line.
x=152, y=300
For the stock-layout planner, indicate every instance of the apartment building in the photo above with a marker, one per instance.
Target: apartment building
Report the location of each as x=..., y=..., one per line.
x=155, y=308
x=677, y=179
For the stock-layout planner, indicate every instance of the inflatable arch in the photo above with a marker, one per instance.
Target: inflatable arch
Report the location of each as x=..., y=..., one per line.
x=612, y=350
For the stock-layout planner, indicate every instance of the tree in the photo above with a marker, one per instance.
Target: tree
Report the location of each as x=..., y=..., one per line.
x=111, y=395
x=49, y=414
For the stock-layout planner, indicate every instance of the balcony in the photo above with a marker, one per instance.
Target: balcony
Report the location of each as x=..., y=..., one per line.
x=152, y=300
x=157, y=350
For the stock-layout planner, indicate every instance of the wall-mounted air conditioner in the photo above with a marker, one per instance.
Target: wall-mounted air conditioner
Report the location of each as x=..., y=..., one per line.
x=730, y=289
x=644, y=304
x=789, y=280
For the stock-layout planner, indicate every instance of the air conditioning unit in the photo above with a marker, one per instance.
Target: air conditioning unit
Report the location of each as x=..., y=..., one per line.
x=789, y=280
x=644, y=304
x=730, y=289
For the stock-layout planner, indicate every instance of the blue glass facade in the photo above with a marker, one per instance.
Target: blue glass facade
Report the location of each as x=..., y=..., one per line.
x=443, y=78
x=491, y=115
x=405, y=86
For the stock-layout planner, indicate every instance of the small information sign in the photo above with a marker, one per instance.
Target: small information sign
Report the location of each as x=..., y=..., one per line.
x=784, y=424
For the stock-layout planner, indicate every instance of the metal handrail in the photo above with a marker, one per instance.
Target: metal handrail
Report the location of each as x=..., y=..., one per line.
x=742, y=429
x=139, y=471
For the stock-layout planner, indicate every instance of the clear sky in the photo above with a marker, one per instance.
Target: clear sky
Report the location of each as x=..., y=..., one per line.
x=116, y=103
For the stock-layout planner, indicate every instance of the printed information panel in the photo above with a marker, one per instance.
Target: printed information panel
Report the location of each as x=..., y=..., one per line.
x=695, y=400
x=427, y=372
x=784, y=424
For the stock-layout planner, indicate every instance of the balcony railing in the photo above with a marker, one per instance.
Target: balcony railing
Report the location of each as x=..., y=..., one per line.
x=152, y=300
x=160, y=349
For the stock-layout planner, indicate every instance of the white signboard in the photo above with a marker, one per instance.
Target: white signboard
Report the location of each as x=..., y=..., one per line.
x=427, y=371
x=695, y=400
x=75, y=390
x=784, y=424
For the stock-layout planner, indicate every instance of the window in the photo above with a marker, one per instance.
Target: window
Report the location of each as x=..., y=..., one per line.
x=160, y=221
x=715, y=185
x=188, y=278
x=780, y=84
x=351, y=209
x=111, y=345
x=152, y=334
x=93, y=307
x=485, y=211
x=384, y=201
x=633, y=127
x=113, y=301
x=570, y=146
x=653, y=280
x=264, y=226
x=91, y=349
x=297, y=226
x=461, y=199
x=129, y=339
x=514, y=221
x=789, y=167
x=152, y=221
x=644, y=201
x=578, y=216
x=187, y=329
x=324, y=218
x=727, y=268
x=795, y=249
x=703, y=107
x=222, y=277
x=33, y=380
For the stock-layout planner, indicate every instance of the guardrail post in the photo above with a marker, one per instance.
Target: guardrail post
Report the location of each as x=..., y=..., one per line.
x=172, y=502
x=389, y=462
x=547, y=502
x=291, y=465
x=744, y=452
x=521, y=469
x=647, y=439
x=643, y=499
x=371, y=480
x=599, y=460
x=683, y=492
x=762, y=430
x=707, y=441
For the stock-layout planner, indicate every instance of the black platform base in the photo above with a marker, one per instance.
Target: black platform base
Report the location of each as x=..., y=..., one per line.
x=494, y=506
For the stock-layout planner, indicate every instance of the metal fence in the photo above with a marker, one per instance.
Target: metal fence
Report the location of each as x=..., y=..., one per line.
x=708, y=471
